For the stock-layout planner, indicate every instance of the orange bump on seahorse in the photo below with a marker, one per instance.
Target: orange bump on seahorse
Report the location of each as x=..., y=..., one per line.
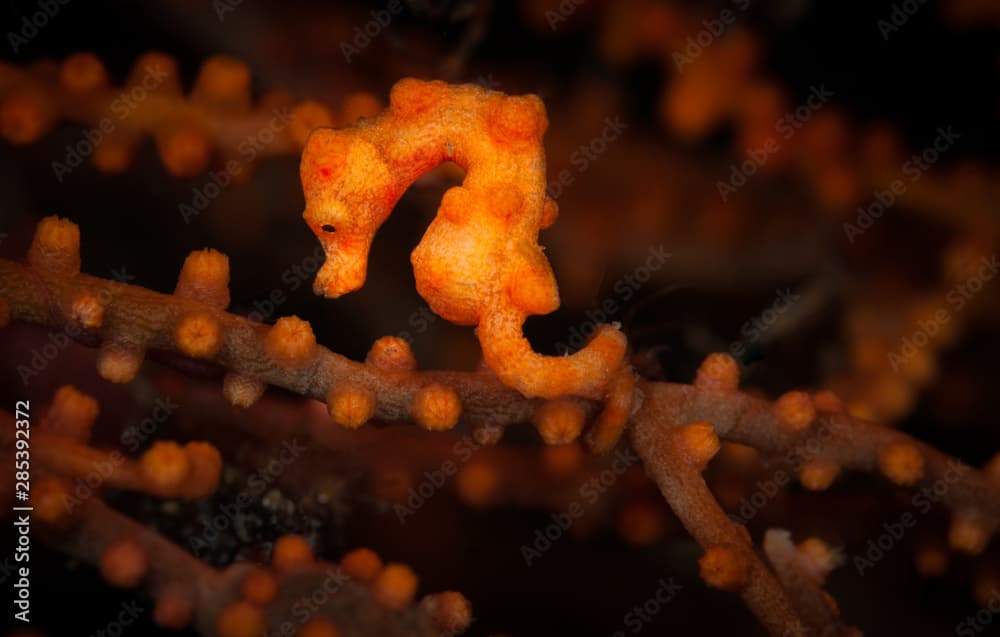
x=479, y=262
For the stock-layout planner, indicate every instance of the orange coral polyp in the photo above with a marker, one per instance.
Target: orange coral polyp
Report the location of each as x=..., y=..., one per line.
x=124, y=563
x=72, y=413
x=318, y=627
x=795, y=411
x=724, y=567
x=205, y=469
x=818, y=475
x=436, y=407
x=223, y=80
x=119, y=362
x=82, y=73
x=242, y=390
x=291, y=343
x=902, y=462
x=699, y=442
x=55, y=247
x=205, y=278
x=291, y=552
x=49, y=499
x=361, y=564
x=165, y=467
x=479, y=263
x=968, y=534
x=450, y=611
x=477, y=483
x=87, y=310
x=351, y=404
x=174, y=609
x=306, y=117
x=559, y=421
x=260, y=587
x=241, y=619
x=718, y=372
x=198, y=335
x=395, y=586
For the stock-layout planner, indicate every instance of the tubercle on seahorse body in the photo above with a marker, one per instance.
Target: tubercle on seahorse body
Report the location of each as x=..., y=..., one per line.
x=479, y=262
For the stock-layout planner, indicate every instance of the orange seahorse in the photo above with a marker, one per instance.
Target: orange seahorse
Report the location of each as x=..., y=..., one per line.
x=479, y=262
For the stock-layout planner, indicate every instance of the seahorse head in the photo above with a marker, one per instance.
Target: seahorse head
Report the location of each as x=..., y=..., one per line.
x=345, y=182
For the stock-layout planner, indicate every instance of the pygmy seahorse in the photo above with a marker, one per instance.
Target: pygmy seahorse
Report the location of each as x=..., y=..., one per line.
x=479, y=262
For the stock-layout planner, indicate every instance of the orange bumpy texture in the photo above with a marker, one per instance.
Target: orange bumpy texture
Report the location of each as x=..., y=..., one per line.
x=479, y=263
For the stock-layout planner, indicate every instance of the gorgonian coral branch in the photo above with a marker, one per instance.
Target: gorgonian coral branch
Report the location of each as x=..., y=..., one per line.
x=125, y=321
x=676, y=433
x=674, y=428
x=479, y=263
x=217, y=114
x=59, y=447
x=822, y=435
x=801, y=570
x=674, y=458
x=295, y=594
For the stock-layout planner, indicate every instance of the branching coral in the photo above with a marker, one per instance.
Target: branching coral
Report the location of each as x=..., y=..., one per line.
x=243, y=600
x=61, y=451
x=192, y=323
x=238, y=601
x=478, y=264
x=673, y=450
x=217, y=115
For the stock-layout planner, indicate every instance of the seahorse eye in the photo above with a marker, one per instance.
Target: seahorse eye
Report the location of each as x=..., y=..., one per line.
x=328, y=228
